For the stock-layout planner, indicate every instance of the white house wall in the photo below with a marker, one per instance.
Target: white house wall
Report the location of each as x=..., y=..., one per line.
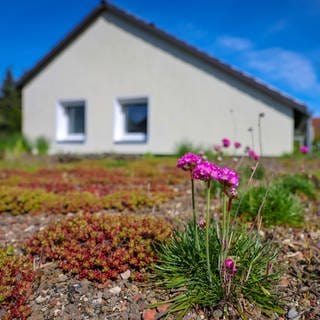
x=188, y=99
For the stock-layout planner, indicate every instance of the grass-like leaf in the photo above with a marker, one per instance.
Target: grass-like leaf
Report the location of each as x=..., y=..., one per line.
x=182, y=267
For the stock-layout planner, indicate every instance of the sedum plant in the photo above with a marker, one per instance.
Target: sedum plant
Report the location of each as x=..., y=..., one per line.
x=16, y=278
x=100, y=246
x=217, y=263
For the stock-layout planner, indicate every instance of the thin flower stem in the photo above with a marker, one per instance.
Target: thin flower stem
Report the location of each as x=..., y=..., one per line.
x=225, y=224
x=196, y=235
x=253, y=172
x=207, y=232
x=224, y=244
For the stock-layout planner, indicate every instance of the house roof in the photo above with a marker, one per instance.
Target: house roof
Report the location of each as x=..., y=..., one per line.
x=104, y=7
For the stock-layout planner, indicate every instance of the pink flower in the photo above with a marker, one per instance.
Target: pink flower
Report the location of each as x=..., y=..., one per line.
x=232, y=192
x=188, y=161
x=230, y=265
x=217, y=147
x=202, y=223
x=226, y=142
x=202, y=155
x=304, y=149
x=237, y=145
x=253, y=155
x=229, y=178
x=206, y=171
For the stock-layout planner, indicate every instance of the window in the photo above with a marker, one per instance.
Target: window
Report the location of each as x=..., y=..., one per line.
x=131, y=120
x=71, y=121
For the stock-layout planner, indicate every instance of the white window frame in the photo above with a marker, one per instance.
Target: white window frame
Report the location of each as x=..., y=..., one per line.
x=62, y=134
x=120, y=134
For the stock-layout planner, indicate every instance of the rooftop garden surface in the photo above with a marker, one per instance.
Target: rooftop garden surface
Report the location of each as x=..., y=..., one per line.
x=78, y=238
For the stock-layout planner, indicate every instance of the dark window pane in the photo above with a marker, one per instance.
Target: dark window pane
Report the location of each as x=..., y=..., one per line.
x=75, y=119
x=136, y=118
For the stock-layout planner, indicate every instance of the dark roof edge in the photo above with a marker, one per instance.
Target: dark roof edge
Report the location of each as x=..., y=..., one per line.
x=104, y=6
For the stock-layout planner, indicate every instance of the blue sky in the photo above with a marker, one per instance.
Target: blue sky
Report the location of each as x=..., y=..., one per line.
x=275, y=41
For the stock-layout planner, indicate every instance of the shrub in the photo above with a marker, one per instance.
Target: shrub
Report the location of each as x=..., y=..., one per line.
x=184, y=147
x=280, y=206
x=113, y=163
x=297, y=184
x=16, y=277
x=42, y=145
x=14, y=146
x=99, y=247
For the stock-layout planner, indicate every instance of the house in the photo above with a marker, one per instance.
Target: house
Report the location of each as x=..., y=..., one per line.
x=118, y=84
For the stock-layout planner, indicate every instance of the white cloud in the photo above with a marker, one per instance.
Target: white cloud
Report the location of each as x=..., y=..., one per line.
x=234, y=43
x=280, y=64
x=292, y=69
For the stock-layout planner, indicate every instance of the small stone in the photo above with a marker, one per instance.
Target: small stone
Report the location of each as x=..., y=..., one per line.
x=133, y=316
x=71, y=309
x=62, y=278
x=217, y=314
x=41, y=299
x=125, y=275
x=304, y=289
x=115, y=290
x=84, y=298
x=137, y=297
x=89, y=311
x=163, y=307
x=97, y=302
x=57, y=312
x=77, y=287
x=149, y=314
x=293, y=314
x=30, y=228
x=284, y=282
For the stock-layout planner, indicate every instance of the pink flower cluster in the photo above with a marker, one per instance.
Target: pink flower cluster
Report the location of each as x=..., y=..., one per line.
x=226, y=142
x=207, y=171
x=230, y=265
x=237, y=145
x=253, y=155
x=304, y=149
x=228, y=177
x=189, y=161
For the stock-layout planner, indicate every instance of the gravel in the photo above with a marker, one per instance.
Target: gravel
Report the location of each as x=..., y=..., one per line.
x=60, y=296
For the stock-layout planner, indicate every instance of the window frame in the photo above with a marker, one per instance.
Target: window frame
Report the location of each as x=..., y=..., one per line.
x=62, y=121
x=120, y=134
